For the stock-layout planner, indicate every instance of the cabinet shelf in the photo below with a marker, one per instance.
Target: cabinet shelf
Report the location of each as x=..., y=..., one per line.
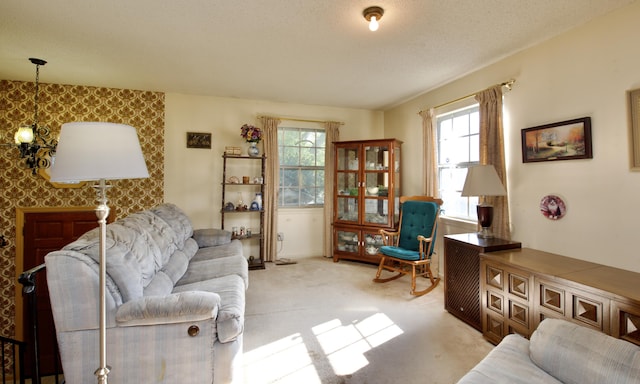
x=242, y=211
x=243, y=184
x=256, y=236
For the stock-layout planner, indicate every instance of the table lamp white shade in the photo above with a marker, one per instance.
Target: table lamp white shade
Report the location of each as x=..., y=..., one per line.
x=483, y=180
x=97, y=150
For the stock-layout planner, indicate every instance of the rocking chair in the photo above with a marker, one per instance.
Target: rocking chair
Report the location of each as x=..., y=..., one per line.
x=409, y=250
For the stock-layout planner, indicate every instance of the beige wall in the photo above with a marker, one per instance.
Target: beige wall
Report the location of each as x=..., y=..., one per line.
x=584, y=72
x=193, y=176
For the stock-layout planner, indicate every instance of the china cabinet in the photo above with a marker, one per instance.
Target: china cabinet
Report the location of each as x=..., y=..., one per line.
x=242, y=198
x=366, y=196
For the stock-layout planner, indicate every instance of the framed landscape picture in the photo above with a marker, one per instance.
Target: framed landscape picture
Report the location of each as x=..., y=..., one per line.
x=198, y=140
x=565, y=140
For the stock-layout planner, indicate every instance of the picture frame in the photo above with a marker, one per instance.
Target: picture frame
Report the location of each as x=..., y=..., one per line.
x=199, y=140
x=564, y=140
x=634, y=128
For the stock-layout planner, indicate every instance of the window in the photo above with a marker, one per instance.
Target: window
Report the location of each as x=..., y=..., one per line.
x=301, y=152
x=458, y=149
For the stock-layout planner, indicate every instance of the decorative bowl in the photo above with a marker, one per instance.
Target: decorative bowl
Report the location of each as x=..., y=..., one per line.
x=372, y=190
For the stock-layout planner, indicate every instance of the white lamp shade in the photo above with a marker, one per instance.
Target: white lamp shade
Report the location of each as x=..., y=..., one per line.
x=96, y=150
x=483, y=180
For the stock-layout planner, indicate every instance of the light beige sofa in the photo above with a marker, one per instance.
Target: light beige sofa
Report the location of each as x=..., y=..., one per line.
x=175, y=301
x=559, y=352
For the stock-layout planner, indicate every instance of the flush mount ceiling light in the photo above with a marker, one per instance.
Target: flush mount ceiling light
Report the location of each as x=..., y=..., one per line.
x=373, y=14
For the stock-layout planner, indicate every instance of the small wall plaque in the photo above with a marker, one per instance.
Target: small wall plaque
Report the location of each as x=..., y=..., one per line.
x=198, y=140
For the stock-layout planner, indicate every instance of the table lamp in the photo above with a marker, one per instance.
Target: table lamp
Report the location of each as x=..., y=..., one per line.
x=483, y=180
x=99, y=151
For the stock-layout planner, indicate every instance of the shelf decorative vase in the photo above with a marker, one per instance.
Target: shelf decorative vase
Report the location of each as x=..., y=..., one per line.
x=258, y=200
x=253, y=150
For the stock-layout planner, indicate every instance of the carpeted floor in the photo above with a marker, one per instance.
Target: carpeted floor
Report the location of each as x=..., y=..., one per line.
x=317, y=321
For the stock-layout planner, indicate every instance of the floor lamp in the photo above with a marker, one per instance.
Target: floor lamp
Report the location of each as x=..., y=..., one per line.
x=483, y=181
x=99, y=151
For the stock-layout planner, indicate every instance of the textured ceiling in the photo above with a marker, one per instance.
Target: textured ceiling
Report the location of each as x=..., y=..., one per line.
x=309, y=52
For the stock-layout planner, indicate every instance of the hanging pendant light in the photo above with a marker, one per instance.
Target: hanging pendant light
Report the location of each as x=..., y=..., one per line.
x=35, y=143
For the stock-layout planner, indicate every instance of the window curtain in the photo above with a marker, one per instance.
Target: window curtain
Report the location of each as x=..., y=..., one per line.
x=492, y=152
x=332, y=133
x=429, y=154
x=272, y=180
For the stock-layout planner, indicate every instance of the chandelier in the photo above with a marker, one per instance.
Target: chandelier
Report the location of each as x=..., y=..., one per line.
x=35, y=143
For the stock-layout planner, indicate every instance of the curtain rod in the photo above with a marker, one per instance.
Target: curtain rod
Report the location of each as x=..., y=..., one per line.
x=507, y=84
x=302, y=120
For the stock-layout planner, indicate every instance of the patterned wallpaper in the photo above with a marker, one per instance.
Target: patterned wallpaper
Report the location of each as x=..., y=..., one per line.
x=60, y=104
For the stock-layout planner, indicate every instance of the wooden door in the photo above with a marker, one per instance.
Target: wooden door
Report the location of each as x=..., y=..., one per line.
x=44, y=232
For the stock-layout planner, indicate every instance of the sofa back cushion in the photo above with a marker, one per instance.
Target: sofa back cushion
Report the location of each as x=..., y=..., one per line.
x=177, y=220
x=140, y=246
x=576, y=354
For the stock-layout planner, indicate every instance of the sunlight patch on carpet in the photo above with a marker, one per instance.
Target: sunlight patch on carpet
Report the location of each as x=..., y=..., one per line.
x=289, y=360
x=284, y=361
x=346, y=345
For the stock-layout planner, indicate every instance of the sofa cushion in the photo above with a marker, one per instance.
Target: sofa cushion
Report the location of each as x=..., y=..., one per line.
x=234, y=248
x=508, y=363
x=230, y=321
x=576, y=354
x=200, y=270
x=211, y=237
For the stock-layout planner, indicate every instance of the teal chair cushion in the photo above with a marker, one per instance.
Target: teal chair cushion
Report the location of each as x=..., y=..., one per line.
x=400, y=253
x=418, y=218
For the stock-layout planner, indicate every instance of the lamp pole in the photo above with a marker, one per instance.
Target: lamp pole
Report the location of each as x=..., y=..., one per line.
x=102, y=212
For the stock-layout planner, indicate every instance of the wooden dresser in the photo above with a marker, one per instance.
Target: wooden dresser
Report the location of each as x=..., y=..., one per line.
x=522, y=287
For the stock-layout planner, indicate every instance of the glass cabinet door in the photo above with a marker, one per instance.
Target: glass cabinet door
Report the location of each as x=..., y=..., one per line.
x=347, y=159
x=347, y=184
x=376, y=183
x=396, y=184
x=372, y=242
x=347, y=241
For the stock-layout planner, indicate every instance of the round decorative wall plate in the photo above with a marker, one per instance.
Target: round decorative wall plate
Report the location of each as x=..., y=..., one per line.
x=553, y=207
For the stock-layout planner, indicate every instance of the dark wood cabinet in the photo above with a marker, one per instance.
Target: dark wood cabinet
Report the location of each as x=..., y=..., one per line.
x=462, y=274
x=522, y=287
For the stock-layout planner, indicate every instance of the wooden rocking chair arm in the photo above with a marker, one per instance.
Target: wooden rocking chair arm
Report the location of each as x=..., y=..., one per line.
x=425, y=239
x=425, y=244
x=389, y=237
x=389, y=233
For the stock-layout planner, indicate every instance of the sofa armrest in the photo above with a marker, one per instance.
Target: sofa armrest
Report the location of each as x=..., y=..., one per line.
x=174, y=308
x=211, y=237
x=576, y=354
